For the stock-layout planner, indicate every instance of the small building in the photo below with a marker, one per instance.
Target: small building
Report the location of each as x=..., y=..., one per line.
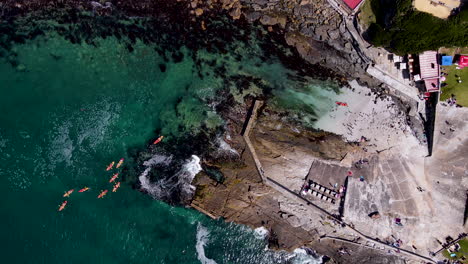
x=429, y=68
x=432, y=85
x=447, y=60
x=352, y=3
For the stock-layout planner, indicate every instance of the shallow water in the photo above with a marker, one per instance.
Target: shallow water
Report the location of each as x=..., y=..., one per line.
x=68, y=110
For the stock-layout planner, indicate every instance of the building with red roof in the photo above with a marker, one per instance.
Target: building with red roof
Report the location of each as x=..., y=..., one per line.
x=352, y=3
x=428, y=64
x=429, y=68
x=432, y=85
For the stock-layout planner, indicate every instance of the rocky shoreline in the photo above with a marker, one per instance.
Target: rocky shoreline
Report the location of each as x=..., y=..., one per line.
x=243, y=198
x=313, y=28
x=230, y=186
x=317, y=32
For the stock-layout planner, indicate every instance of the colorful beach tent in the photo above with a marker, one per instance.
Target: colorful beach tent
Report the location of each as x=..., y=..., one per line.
x=463, y=61
x=447, y=60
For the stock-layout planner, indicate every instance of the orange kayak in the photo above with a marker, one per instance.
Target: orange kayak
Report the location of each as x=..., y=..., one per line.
x=120, y=163
x=158, y=140
x=102, y=194
x=110, y=166
x=115, y=176
x=84, y=189
x=67, y=194
x=62, y=206
x=116, y=186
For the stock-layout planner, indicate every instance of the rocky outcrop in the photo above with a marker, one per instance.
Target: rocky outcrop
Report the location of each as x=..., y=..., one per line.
x=243, y=198
x=314, y=28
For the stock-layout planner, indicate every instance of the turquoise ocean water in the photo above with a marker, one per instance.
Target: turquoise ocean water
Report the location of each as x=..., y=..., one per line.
x=68, y=110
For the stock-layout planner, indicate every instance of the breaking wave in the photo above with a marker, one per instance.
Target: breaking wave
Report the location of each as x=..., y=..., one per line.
x=223, y=149
x=175, y=188
x=301, y=256
x=261, y=233
x=224, y=146
x=202, y=240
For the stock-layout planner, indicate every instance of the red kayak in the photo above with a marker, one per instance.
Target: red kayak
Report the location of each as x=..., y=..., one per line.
x=62, y=206
x=115, y=176
x=110, y=166
x=116, y=186
x=102, y=194
x=341, y=104
x=84, y=189
x=158, y=140
x=120, y=163
x=67, y=194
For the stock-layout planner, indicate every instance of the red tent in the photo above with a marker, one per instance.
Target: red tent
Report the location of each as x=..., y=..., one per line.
x=463, y=61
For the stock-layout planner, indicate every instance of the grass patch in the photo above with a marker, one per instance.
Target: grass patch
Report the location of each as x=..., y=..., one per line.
x=367, y=16
x=463, y=252
x=404, y=30
x=460, y=90
x=464, y=50
x=448, y=51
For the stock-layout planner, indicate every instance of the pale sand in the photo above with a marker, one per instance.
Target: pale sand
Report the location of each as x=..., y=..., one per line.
x=427, y=216
x=441, y=11
x=377, y=119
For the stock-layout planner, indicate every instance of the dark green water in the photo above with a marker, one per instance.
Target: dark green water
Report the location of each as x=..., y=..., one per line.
x=68, y=110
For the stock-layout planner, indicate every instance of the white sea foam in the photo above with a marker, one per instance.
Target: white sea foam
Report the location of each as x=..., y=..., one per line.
x=19, y=179
x=3, y=143
x=61, y=146
x=202, y=240
x=91, y=128
x=224, y=146
x=153, y=188
x=261, y=233
x=300, y=256
x=94, y=126
x=180, y=181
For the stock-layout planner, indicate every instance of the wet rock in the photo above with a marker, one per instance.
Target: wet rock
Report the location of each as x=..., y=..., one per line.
x=21, y=67
x=334, y=34
x=273, y=20
x=198, y=12
x=236, y=11
x=252, y=16
x=348, y=46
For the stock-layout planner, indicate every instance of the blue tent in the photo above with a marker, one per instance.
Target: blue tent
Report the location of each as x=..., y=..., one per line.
x=446, y=60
